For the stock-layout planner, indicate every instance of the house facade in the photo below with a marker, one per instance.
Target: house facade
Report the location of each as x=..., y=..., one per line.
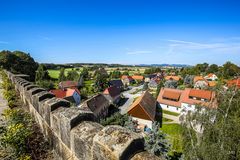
x=175, y=100
x=143, y=110
x=98, y=104
x=211, y=77
x=72, y=95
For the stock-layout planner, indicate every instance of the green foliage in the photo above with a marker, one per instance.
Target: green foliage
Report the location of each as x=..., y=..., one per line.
x=115, y=74
x=156, y=142
x=101, y=82
x=219, y=135
x=152, y=70
x=41, y=74
x=85, y=73
x=159, y=86
x=46, y=84
x=125, y=73
x=171, y=84
x=170, y=113
x=145, y=86
x=62, y=76
x=72, y=75
x=17, y=131
x=115, y=119
x=229, y=70
x=130, y=124
x=18, y=62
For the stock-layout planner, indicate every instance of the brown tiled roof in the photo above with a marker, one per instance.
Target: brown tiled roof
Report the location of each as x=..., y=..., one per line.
x=198, y=78
x=170, y=93
x=212, y=83
x=68, y=84
x=204, y=94
x=144, y=107
x=125, y=76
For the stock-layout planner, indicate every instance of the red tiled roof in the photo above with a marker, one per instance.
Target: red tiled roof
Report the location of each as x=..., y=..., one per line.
x=169, y=93
x=59, y=93
x=137, y=77
x=176, y=78
x=204, y=94
x=234, y=82
x=125, y=77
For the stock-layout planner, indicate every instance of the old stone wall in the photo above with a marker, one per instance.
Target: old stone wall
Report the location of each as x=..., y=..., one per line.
x=73, y=133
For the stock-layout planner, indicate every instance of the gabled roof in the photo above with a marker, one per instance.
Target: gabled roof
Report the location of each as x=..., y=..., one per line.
x=144, y=107
x=112, y=91
x=234, y=82
x=96, y=103
x=203, y=94
x=176, y=78
x=171, y=97
x=198, y=78
x=137, y=77
x=117, y=83
x=68, y=84
x=59, y=93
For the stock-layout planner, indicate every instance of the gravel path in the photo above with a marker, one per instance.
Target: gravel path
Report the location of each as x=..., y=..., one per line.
x=175, y=119
x=3, y=102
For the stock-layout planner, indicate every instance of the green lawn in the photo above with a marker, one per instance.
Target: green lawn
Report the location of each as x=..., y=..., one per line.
x=171, y=113
x=174, y=134
x=54, y=73
x=166, y=120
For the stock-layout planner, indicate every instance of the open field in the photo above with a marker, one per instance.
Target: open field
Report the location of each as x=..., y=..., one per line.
x=54, y=73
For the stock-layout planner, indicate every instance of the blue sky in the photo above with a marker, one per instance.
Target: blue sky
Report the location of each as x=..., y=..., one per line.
x=123, y=31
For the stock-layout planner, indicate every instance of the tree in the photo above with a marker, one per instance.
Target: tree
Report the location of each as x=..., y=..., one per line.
x=130, y=124
x=72, y=75
x=145, y=86
x=171, y=84
x=116, y=74
x=125, y=73
x=213, y=68
x=18, y=62
x=101, y=82
x=62, y=76
x=41, y=74
x=229, y=70
x=213, y=133
x=84, y=73
x=156, y=142
x=159, y=86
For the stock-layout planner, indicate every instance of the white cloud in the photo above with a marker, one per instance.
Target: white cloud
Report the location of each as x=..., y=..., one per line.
x=175, y=46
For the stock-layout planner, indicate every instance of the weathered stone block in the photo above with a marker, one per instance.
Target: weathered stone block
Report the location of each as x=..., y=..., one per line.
x=50, y=105
x=70, y=118
x=38, y=97
x=32, y=92
x=82, y=139
x=116, y=142
x=55, y=120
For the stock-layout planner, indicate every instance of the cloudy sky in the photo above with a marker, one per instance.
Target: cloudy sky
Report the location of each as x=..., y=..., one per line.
x=123, y=31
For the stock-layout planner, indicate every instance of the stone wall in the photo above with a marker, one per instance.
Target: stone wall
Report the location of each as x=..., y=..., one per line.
x=73, y=133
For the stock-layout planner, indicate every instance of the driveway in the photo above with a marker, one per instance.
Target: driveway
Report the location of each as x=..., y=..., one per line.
x=130, y=98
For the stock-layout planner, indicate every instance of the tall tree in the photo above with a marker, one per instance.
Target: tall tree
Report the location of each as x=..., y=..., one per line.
x=72, y=75
x=156, y=142
x=229, y=70
x=62, y=76
x=41, y=73
x=214, y=133
x=159, y=86
x=101, y=82
x=84, y=73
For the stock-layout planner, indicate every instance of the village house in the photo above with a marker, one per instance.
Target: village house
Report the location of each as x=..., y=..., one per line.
x=143, y=110
x=127, y=80
x=70, y=94
x=176, y=78
x=176, y=100
x=211, y=77
x=98, y=104
x=138, y=78
x=113, y=94
x=234, y=82
x=68, y=84
x=153, y=84
x=117, y=83
x=200, y=83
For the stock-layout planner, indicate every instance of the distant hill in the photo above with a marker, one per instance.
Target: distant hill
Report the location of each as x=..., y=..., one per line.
x=164, y=65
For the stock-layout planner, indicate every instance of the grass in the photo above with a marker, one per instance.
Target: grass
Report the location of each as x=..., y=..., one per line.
x=166, y=120
x=54, y=73
x=174, y=134
x=170, y=113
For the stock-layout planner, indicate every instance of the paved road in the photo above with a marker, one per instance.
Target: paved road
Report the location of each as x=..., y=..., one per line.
x=130, y=98
x=3, y=102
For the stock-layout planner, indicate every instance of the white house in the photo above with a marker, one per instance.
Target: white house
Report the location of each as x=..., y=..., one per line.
x=211, y=77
